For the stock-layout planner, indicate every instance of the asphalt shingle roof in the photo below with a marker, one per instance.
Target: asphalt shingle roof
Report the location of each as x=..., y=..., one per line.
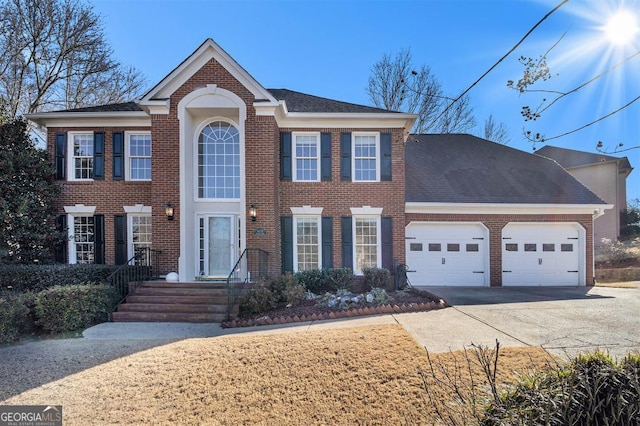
x=571, y=158
x=302, y=102
x=460, y=168
x=124, y=106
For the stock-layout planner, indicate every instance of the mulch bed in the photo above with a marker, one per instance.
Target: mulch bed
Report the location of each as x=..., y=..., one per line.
x=411, y=300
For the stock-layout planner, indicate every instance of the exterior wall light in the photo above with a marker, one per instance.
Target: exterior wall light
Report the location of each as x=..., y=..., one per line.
x=168, y=210
x=253, y=212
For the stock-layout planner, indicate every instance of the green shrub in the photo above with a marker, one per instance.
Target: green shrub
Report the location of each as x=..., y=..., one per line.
x=589, y=389
x=15, y=316
x=312, y=280
x=338, y=278
x=375, y=277
x=22, y=278
x=258, y=299
x=72, y=307
x=268, y=295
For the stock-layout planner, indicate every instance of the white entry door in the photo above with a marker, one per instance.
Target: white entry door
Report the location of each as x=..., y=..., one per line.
x=218, y=245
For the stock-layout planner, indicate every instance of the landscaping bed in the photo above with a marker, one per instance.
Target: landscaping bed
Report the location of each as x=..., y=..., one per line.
x=410, y=300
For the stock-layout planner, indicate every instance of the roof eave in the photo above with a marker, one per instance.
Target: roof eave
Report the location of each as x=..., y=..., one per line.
x=43, y=118
x=506, y=208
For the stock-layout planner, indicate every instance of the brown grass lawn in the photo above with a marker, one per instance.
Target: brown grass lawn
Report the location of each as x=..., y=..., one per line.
x=362, y=375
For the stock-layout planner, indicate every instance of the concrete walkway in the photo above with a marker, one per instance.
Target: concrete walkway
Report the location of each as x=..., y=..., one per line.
x=563, y=320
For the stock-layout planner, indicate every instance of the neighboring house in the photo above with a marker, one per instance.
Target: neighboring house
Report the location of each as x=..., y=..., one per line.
x=603, y=174
x=209, y=163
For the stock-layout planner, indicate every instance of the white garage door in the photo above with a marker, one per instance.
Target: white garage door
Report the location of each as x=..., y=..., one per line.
x=542, y=254
x=447, y=254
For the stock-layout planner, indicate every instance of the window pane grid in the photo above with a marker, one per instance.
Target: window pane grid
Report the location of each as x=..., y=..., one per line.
x=141, y=236
x=366, y=243
x=306, y=151
x=83, y=234
x=140, y=157
x=307, y=243
x=219, y=161
x=83, y=156
x=365, y=152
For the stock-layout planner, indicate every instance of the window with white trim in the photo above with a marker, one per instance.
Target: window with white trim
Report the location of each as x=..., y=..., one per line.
x=366, y=247
x=83, y=238
x=306, y=157
x=219, y=162
x=307, y=239
x=366, y=157
x=138, y=156
x=139, y=236
x=81, y=156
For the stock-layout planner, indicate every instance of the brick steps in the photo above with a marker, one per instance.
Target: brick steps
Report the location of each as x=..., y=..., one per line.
x=161, y=301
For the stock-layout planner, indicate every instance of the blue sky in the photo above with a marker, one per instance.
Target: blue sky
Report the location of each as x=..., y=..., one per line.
x=327, y=48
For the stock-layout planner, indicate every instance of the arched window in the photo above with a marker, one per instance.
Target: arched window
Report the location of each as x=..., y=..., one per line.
x=219, y=161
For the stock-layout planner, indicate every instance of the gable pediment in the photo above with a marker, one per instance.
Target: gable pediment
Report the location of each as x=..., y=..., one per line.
x=156, y=99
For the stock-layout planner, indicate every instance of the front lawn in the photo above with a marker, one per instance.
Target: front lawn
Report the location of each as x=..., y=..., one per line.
x=362, y=375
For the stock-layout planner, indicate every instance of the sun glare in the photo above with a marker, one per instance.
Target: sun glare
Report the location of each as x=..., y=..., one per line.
x=621, y=27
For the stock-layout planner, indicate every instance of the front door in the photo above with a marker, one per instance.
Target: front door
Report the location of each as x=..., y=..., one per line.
x=220, y=244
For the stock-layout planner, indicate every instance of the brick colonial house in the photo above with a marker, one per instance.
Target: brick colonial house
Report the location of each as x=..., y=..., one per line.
x=209, y=163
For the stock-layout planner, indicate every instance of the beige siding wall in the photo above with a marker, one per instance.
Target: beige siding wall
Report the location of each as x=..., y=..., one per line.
x=603, y=180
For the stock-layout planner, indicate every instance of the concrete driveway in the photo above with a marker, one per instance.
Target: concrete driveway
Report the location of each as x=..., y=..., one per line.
x=564, y=320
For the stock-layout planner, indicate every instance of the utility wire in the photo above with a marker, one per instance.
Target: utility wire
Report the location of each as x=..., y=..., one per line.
x=497, y=63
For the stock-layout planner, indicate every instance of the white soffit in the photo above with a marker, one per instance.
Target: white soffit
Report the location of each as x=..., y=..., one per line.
x=466, y=208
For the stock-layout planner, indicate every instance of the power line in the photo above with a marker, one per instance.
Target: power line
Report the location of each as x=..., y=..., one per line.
x=498, y=62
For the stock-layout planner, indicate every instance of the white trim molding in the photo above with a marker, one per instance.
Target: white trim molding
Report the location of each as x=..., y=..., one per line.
x=137, y=209
x=482, y=208
x=366, y=211
x=306, y=210
x=80, y=209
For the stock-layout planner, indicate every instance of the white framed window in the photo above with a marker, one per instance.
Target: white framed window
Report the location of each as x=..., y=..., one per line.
x=306, y=157
x=307, y=247
x=366, y=243
x=366, y=157
x=139, y=235
x=80, y=154
x=82, y=239
x=138, y=156
x=218, y=162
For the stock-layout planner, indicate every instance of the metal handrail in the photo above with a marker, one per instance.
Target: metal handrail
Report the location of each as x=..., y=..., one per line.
x=137, y=269
x=252, y=264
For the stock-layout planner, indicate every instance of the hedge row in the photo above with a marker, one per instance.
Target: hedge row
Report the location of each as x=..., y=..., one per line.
x=22, y=278
x=54, y=310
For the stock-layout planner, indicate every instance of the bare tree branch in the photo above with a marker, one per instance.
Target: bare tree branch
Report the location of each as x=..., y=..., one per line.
x=56, y=57
x=394, y=84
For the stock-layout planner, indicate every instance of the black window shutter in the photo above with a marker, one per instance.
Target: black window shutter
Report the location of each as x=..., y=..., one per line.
x=98, y=238
x=347, y=242
x=327, y=242
x=345, y=156
x=120, y=226
x=98, y=155
x=385, y=157
x=59, y=154
x=325, y=149
x=287, y=243
x=61, y=246
x=118, y=155
x=386, y=232
x=285, y=156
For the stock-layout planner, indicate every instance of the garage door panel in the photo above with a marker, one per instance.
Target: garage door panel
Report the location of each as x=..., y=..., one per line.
x=446, y=254
x=540, y=254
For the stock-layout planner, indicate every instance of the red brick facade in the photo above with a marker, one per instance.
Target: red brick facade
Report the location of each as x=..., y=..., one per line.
x=264, y=189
